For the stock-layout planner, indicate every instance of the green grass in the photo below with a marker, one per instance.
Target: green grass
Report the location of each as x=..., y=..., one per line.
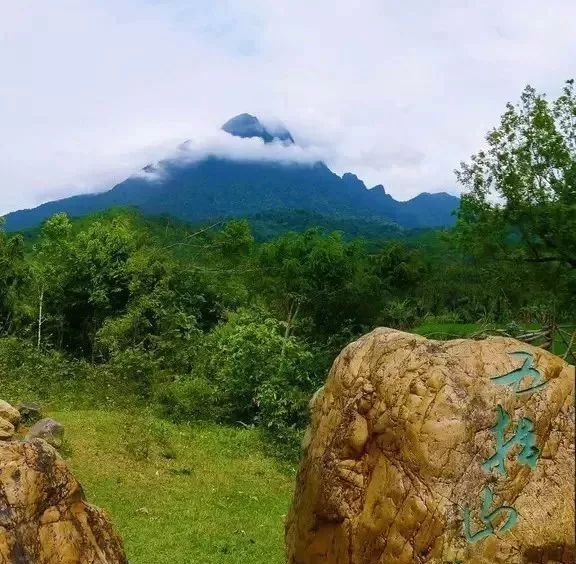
x=204, y=494
x=560, y=346
x=441, y=331
x=444, y=331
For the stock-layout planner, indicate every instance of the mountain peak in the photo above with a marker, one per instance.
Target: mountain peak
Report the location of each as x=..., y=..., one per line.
x=247, y=126
x=350, y=179
x=379, y=188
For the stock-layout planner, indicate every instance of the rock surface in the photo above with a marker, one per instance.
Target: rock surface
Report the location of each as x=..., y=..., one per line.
x=49, y=430
x=394, y=455
x=29, y=412
x=9, y=413
x=6, y=429
x=44, y=517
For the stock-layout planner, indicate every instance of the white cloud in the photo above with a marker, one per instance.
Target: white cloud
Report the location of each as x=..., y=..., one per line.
x=397, y=92
x=224, y=145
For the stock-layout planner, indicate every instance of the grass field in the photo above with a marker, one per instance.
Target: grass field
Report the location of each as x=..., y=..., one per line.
x=180, y=494
x=444, y=331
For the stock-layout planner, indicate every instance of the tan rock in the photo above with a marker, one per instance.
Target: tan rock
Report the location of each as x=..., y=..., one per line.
x=6, y=430
x=44, y=517
x=9, y=413
x=395, y=451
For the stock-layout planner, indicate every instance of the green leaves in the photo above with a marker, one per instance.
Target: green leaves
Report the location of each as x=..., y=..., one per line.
x=519, y=209
x=521, y=191
x=107, y=286
x=320, y=277
x=14, y=275
x=255, y=368
x=235, y=239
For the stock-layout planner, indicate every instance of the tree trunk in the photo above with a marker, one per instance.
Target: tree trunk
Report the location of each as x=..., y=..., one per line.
x=40, y=306
x=292, y=313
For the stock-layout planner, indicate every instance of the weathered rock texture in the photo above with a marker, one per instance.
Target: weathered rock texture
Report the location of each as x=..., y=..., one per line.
x=44, y=517
x=6, y=429
x=394, y=452
x=9, y=413
x=49, y=430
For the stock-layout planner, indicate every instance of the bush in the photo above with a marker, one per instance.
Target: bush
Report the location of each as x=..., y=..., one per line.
x=137, y=367
x=190, y=399
x=444, y=317
x=144, y=437
x=248, y=372
x=400, y=314
x=283, y=414
x=250, y=361
x=29, y=374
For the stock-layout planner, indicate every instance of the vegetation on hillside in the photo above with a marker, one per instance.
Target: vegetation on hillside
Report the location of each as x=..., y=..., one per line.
x=207, y=323
x=211, y=340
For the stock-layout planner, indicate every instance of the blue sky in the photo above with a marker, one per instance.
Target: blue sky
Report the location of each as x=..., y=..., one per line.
x=397, y=92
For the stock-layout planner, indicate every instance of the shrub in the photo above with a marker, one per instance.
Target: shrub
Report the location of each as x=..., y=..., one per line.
x=144, y=436
x=29, y=374
x=191, y=399
x=400, y=314
x=250, y=361
x=248, y=372
x=137, y=367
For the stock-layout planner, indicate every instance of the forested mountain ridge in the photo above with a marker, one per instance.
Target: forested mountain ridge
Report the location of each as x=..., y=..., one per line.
x=215, y=187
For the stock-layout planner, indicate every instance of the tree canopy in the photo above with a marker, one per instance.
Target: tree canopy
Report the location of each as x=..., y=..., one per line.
x=520, y=200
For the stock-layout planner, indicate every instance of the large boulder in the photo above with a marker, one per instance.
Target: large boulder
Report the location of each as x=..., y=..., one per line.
x=434, y=452
x=44, y=516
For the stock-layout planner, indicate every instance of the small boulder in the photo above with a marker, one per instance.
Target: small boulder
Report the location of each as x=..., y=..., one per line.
x=6, y=430
x=44, y=515
x=29, y=412
x=9, y=413
x=49, y=430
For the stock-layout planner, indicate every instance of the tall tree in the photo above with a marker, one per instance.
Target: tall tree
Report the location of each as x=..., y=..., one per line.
x=50, y=267
x=13, y=276
x=81, y=278
x=520, y=202
x=321, y=278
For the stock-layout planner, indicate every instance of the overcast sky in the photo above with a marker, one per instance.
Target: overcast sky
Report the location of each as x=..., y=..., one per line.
x=397, y=92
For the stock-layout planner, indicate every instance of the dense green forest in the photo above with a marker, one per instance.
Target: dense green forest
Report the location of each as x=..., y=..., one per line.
x=210, y=323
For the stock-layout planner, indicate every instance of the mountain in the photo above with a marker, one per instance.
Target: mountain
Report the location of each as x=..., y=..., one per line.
x=248, y=126
x=218, y=187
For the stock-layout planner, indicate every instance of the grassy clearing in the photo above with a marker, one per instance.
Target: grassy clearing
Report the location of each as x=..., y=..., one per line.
x=445, y=331
x=181, y=494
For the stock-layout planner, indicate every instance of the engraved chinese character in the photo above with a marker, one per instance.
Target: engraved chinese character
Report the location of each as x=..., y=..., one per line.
x=488, y=517
x=524, y=436
x=515, y=377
